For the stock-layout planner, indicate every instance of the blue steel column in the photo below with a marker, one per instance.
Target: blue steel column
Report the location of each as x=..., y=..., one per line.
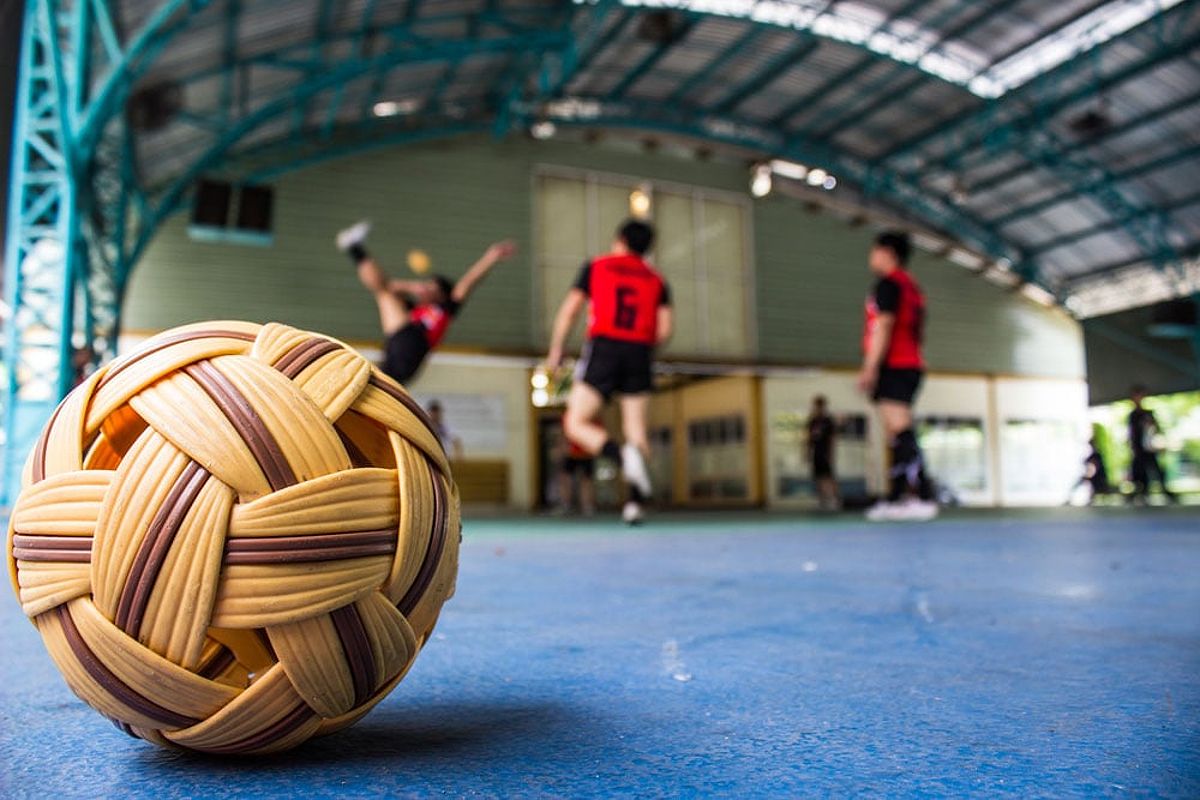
x=43, y=247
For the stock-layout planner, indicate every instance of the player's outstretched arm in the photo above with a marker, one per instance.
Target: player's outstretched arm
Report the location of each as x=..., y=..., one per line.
x=500, y=251
x=572, y=304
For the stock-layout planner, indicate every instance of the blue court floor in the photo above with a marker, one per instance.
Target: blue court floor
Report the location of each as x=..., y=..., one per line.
x=1031, y=655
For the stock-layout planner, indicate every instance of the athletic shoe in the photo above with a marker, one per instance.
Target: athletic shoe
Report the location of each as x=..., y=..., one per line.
x=910, y=510
x=880, y=512
x=633, y=467
x=355, y=234
x=632, y=513
x=914, y=510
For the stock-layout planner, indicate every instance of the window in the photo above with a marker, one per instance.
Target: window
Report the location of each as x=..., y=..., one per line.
x=1040, y=458
x=718, y=458
x=702, y=250
x=955, y=451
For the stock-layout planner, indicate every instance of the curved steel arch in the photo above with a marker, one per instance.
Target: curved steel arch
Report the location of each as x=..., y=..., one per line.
x=77, y=182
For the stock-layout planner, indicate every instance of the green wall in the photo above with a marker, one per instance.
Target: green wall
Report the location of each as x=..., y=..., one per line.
x=452, y=198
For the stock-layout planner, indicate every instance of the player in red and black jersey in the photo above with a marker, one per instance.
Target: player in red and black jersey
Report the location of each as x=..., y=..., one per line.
x=629, y=315
x=414, y=314
x=892, y=371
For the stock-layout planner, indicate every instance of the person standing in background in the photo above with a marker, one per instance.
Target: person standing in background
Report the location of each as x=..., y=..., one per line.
x=1145, y=467
x=450, y=443
x=822, y=432
x=892, y=371
x=1095, y=474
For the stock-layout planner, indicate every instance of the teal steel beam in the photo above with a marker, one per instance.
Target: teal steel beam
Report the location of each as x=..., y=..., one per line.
x=840, y=80
x=794, y=54
x=781, y=23
x=702, y=76
x=649, y=60
x=322, y=22
x=1112, y=224
x=273, y=160
x=229, y=58
x=169, y=197
x=1154, y=165
x=168, y=19
x=1039, y=145
x=450, y=74
x=41, y=249
x=374, y=91
x=989, y=123
x=879, y=92
x=1149, y=227
x=1132, y=124
x=1039, y=33
x=1113, y=267
x=101, y=12
x=811, y=99
x=580, y=51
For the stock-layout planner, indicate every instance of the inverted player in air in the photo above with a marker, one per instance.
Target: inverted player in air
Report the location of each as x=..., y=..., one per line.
x=629, y=315
x=414, y=314
x=892, y=371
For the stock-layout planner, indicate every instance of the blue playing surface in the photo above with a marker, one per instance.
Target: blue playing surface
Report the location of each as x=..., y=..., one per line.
x=735, y=656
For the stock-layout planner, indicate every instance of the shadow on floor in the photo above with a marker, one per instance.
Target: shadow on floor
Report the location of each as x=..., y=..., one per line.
x=457, y=732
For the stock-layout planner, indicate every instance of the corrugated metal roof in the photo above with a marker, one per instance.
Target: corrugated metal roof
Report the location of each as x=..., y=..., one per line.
x=1093, y=163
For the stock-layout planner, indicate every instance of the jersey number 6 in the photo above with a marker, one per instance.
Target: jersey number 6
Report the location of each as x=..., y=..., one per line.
x=626, y=318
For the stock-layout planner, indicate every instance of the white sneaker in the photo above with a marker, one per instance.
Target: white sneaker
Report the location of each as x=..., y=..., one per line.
x=355, y=234
x=910, y=510
x=914, y=510
x=632, y=513
x=633, y=468
x=882, y=511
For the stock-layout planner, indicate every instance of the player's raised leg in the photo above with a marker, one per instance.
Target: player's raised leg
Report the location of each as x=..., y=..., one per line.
x=393, y=310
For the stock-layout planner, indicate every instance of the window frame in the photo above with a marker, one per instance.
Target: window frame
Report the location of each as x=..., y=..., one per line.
x=596, y=240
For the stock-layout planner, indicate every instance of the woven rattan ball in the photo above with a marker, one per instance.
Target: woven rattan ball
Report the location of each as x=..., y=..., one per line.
x=236, y=537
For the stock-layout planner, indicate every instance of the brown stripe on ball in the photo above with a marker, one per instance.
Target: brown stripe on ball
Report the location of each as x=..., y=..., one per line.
x=123, y=727
x=357, y=647
x=39, y=450
x=271, y=734
x=118, y=367
x=111, y=683
x=318, y=547
x=358, y=458
x=246, y=422
x=433, y=554
x=304, y=355
x=216, y=666
x=135, y=595
x=400, y=396
x=61, y=549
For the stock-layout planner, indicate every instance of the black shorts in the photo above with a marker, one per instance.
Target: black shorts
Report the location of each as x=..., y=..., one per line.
x=822, y=466
x=610, y=366
x=898, y=385
x=404, y=352
x=585, y=467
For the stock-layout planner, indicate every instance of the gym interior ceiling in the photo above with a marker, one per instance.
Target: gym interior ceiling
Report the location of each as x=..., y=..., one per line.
x=1051, y=145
